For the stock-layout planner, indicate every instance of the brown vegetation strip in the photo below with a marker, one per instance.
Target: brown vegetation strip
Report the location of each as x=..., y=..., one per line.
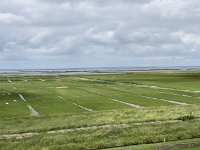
x=182, y=145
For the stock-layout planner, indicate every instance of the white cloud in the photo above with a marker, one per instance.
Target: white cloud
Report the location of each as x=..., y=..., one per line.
x=9, y=18
x=166, y=8
x=188, y=38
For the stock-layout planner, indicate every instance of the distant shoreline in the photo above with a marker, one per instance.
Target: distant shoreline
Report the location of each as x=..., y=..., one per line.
x=85, y=71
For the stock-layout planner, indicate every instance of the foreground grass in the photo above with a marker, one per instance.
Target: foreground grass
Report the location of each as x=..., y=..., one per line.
x=187, y=127
x=109, y=137
x=47, y=123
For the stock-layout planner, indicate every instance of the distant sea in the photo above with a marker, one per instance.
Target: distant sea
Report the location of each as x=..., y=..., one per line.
x=96, y=70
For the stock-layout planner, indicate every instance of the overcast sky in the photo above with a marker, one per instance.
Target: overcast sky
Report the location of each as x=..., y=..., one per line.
x=99, y=33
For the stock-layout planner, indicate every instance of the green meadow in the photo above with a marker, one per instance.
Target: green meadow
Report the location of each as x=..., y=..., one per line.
x=140, y=110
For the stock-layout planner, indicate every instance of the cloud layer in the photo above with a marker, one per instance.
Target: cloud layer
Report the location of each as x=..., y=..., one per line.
x=96, y=33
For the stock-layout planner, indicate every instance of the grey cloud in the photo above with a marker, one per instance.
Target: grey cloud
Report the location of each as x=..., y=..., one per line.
x=115, y=32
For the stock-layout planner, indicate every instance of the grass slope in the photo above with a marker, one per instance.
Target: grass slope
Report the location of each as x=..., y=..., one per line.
x=110, y=123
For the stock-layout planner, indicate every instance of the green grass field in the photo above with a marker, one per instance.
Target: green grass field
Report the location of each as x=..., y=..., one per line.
x=99, y=111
